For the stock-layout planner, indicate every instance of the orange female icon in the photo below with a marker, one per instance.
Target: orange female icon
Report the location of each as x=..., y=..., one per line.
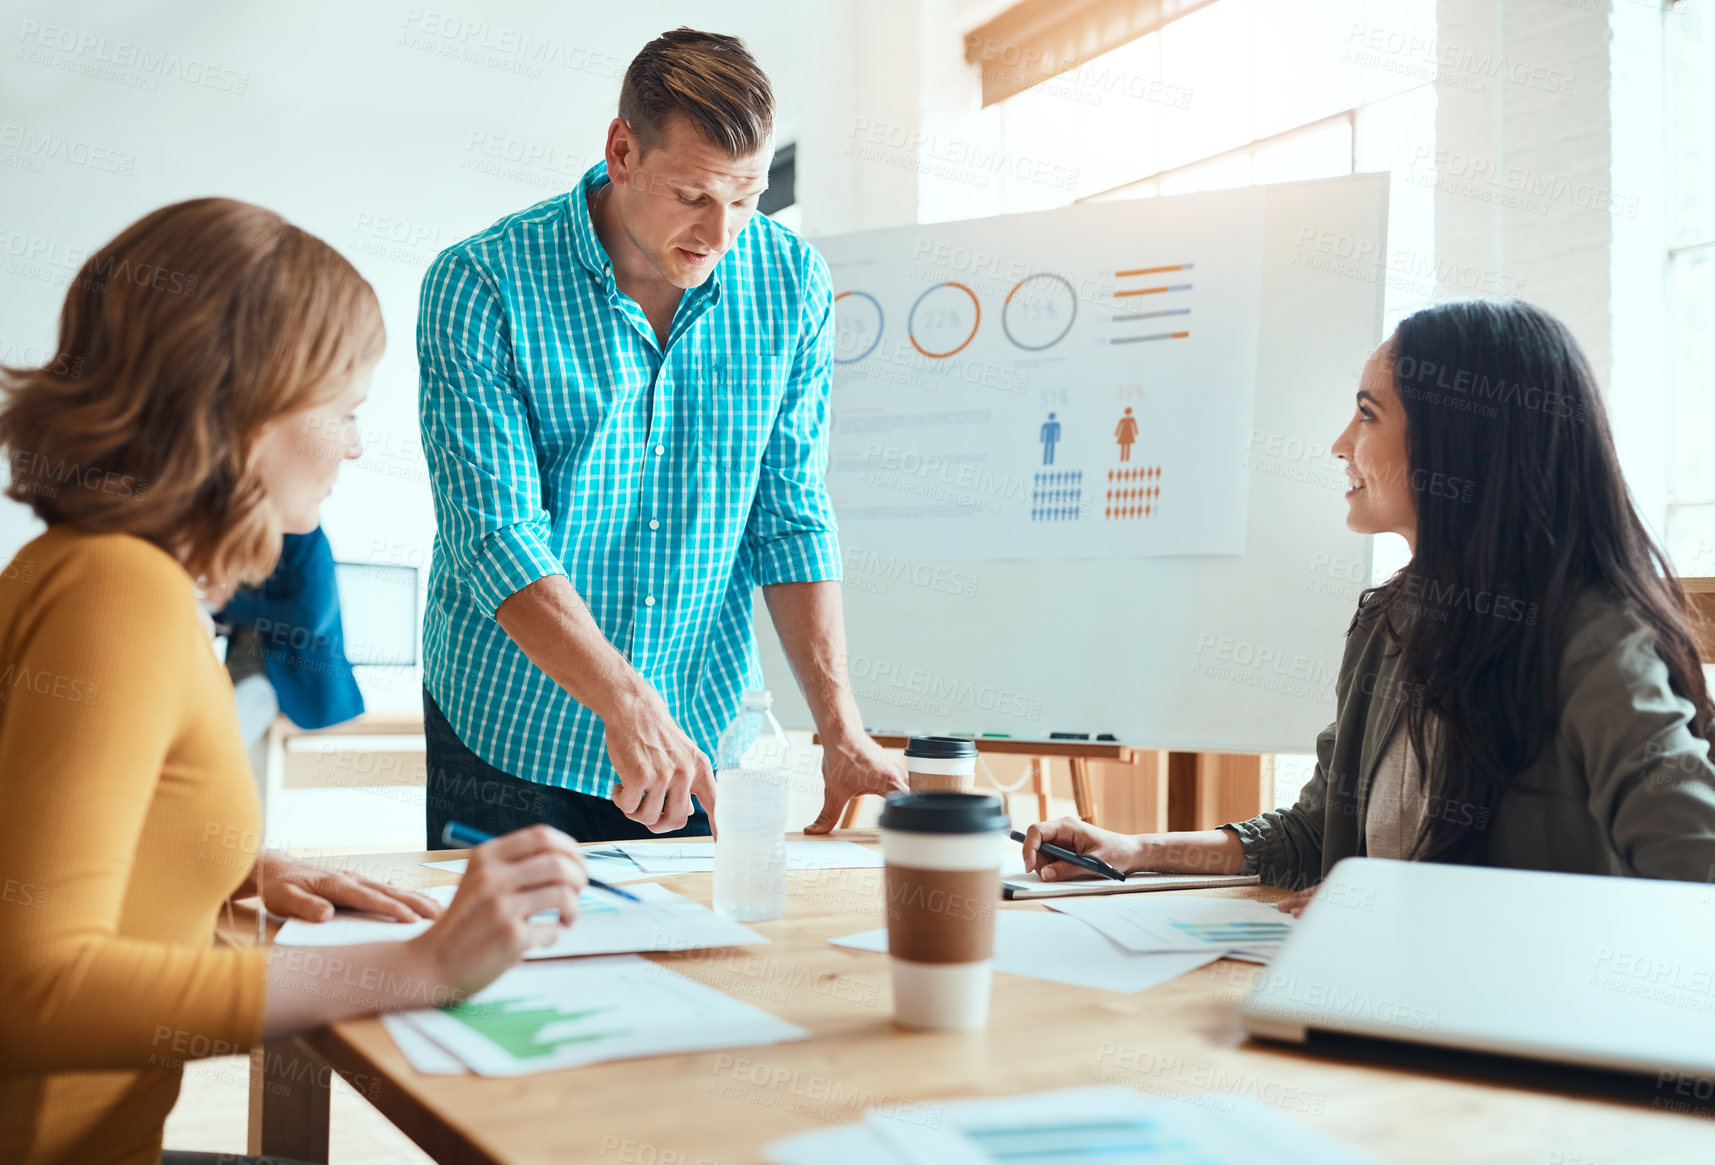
x=1126, y=434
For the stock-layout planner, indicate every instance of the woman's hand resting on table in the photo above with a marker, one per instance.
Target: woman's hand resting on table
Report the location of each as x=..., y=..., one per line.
x=294, y=889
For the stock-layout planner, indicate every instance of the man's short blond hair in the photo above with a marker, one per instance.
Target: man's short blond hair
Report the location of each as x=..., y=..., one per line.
x=712, y=79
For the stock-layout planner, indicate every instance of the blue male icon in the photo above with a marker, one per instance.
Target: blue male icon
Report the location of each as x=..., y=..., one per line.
x=1050, y=435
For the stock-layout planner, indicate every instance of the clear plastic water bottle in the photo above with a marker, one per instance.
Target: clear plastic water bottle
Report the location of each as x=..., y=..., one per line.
x=752, y=783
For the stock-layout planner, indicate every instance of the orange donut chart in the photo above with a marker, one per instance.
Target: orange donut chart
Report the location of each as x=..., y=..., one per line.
x=911, y=321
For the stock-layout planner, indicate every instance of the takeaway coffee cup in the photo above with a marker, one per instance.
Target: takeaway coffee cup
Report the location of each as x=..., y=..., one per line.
x=940, y=764
x=942, y=852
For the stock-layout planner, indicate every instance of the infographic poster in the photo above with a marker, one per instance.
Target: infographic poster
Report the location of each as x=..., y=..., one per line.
x=1068, y=384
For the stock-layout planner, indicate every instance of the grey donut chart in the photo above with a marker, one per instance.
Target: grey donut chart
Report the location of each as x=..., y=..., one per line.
x=1071, y=295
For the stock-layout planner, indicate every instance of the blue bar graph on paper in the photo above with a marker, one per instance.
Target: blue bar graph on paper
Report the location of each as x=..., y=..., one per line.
x=1094, y=1143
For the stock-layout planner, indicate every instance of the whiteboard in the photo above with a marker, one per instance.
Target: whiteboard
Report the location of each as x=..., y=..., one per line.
x=1233, y=653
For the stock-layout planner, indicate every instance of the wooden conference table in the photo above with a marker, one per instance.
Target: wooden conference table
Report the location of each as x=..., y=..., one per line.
x=723, y=1107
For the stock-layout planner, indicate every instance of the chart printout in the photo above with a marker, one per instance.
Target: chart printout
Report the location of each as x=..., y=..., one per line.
x=1073, y=383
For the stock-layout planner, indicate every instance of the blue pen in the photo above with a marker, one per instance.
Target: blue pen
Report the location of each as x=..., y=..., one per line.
x=457, y=835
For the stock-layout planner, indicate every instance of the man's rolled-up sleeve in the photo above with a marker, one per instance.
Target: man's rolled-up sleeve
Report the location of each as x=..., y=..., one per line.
x=792, y=533
x=483, y=469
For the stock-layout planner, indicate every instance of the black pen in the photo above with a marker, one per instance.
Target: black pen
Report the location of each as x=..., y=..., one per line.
x=1094, y=865
x=457, y=835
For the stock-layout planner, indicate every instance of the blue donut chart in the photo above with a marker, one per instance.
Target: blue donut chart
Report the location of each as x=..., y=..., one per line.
x=880, y=324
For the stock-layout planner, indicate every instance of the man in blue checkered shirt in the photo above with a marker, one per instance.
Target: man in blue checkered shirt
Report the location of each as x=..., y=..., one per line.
x=624, y=409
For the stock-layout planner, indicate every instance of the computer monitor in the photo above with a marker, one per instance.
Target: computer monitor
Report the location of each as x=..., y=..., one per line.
x=378, y=610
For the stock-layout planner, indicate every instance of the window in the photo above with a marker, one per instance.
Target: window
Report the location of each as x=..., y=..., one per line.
x=780, y=200
x=1690, y=39
x=1240, y=92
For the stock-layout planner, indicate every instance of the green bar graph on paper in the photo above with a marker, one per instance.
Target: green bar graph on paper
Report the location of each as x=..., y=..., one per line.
x=518, y=1028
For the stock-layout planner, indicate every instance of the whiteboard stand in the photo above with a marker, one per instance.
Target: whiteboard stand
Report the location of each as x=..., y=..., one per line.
x=1164, y=790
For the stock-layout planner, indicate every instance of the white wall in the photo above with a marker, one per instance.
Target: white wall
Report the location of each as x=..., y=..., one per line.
x=1551, y=173
x=391, y=130
x=394, y=129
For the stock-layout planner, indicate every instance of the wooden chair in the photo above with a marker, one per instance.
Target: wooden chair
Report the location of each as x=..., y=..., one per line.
x=1700, y=601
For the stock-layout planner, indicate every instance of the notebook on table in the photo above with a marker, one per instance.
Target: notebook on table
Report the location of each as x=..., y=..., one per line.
x=1025, y=886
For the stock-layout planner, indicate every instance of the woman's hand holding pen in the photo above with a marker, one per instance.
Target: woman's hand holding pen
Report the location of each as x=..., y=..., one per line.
x=1116, y=849
x=485, y=929
x=1203, y=851
x=482, y=932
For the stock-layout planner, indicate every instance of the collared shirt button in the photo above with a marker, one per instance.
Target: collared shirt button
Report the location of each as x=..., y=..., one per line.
x=654, y=524
x=660, y=449
x=648, y=600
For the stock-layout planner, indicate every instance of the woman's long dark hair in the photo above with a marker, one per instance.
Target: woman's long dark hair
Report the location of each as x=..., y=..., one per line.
x=1521, y=510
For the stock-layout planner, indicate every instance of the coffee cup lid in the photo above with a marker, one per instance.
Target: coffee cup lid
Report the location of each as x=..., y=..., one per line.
x=944, y=813
x=940, y=747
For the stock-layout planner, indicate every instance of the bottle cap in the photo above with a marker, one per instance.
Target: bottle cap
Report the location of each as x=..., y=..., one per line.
x=940, y=747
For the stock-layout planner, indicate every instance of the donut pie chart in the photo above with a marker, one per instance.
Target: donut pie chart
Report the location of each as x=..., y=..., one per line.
x=858, y=324
x=942, y=301
x=1039, y=311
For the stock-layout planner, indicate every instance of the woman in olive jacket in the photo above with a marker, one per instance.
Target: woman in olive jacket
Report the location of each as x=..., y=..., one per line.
x=1526, y=691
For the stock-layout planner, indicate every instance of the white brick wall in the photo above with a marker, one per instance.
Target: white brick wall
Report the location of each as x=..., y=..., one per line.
x=1638, y=390
x=1549, y=125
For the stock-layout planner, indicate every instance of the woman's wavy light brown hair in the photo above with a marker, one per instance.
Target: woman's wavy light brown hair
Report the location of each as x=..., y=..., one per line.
x=180, y=341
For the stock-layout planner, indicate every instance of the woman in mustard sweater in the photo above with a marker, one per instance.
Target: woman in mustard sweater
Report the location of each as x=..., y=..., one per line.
x=199, y=407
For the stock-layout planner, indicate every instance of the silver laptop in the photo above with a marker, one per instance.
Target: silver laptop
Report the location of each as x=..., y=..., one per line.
x=1609, y=973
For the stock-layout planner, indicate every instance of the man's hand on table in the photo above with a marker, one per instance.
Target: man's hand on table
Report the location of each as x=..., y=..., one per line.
x=850, y=766
x=659, y=767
